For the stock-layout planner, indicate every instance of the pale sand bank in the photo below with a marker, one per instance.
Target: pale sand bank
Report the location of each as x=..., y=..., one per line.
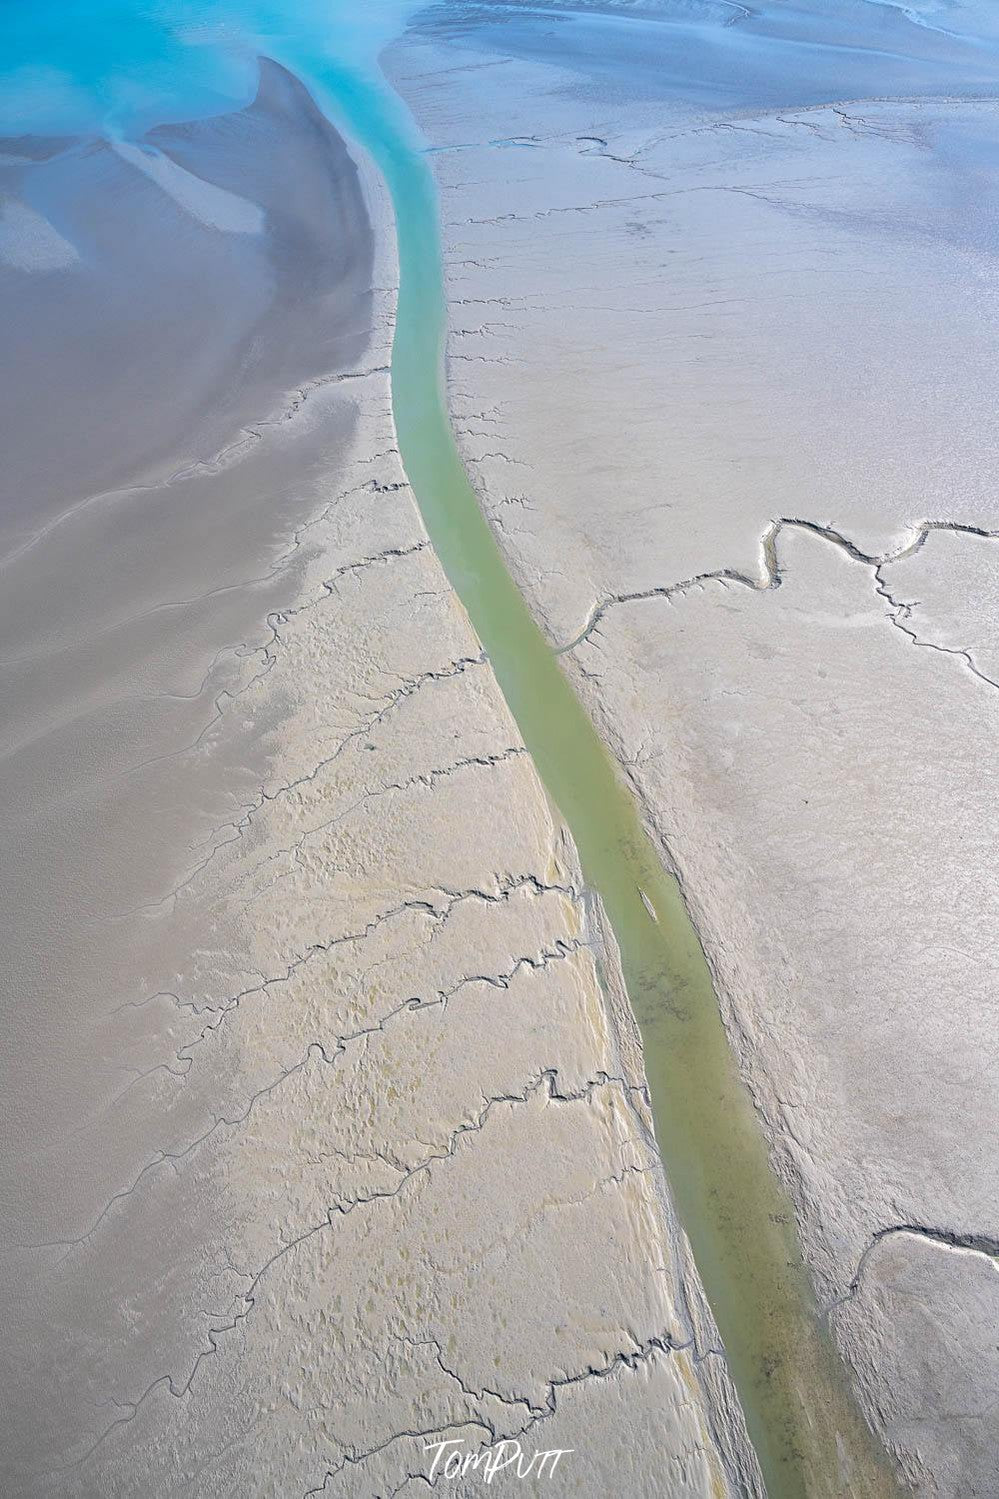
x=134, y=611
x=703, y=340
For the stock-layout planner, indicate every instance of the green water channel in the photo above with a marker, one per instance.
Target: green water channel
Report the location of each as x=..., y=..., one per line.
x=808, y=1435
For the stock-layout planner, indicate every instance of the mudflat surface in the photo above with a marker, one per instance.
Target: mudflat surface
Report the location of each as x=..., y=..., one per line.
x=323, y=1143
x=721, y=352
x=129, y=615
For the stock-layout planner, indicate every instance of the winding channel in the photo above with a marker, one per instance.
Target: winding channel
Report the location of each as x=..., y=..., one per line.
x=809, y=1436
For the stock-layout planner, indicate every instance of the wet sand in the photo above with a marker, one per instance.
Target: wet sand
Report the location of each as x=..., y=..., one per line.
x=312, y=1091
x=328, y=1120
x=183, y=364
x=180, y=407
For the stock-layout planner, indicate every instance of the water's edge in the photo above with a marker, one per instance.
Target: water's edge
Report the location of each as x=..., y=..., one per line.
x=807, y=1432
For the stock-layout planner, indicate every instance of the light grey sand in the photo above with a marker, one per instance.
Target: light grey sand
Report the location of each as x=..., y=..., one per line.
x=721, y=327
x=133, y=611
x=323, y=1141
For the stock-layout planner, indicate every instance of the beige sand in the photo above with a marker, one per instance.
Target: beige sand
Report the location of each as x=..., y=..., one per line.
x=339, y=1149
x=696, y=353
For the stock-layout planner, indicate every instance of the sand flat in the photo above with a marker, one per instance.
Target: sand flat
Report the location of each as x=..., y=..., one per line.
x=278, y=1209
x=720, y=362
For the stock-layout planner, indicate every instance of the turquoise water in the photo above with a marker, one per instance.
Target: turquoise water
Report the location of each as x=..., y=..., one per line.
x=120, y=69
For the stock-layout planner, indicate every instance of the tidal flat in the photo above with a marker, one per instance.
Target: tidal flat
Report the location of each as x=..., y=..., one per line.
x=312, y=1089
x=721, y=353
x=513, y=975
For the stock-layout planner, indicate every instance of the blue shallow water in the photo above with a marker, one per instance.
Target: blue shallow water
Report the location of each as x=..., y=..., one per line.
x=120, y=67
